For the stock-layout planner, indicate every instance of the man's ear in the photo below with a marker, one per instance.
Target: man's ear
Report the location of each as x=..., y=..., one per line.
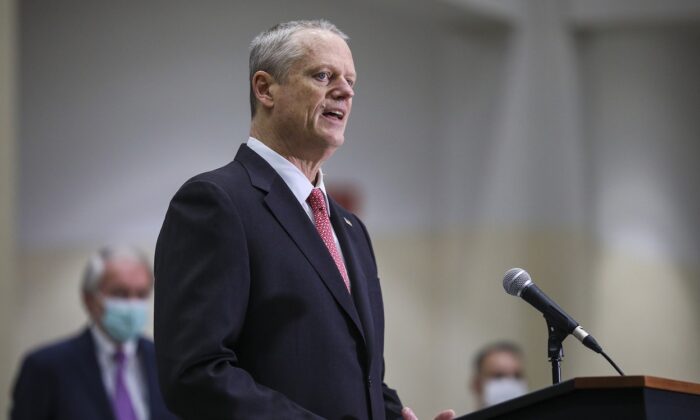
x=263, y=88
x=91, y=304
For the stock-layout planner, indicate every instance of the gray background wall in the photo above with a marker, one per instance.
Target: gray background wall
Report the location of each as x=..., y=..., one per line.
x=555, y=135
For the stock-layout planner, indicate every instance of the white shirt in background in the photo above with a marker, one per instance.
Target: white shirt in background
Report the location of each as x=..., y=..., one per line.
x=134, y=376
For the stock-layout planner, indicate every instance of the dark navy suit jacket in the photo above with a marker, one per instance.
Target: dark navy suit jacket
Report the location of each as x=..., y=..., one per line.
x=252, y=318
x=63, y=381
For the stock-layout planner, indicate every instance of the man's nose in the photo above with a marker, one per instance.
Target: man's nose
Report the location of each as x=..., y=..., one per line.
x=343, y=90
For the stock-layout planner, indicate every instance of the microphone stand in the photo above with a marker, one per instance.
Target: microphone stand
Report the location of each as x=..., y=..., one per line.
x=555, y=350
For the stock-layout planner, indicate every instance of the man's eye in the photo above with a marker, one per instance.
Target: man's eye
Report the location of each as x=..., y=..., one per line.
x=122, y=294
x=323, y=76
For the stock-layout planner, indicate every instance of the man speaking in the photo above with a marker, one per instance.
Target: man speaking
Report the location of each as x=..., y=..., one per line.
x=267, y=301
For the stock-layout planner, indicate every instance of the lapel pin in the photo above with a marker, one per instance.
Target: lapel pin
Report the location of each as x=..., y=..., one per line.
x=347, y=221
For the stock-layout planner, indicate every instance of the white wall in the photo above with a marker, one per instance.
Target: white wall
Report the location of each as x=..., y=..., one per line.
x=642, y=110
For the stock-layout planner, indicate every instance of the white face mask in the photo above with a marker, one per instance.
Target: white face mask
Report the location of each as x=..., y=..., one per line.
x=503, y=389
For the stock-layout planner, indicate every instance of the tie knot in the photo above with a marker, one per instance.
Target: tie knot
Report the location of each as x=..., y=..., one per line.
x=316, y=200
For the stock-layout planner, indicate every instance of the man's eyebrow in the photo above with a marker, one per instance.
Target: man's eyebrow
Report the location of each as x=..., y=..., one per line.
x=321, y=66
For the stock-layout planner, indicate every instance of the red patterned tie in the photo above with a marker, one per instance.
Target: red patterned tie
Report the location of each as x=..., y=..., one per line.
x=323, y=225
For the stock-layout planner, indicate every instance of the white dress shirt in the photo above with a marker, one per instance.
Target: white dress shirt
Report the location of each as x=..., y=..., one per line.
x=296, y=181
x=134, y=376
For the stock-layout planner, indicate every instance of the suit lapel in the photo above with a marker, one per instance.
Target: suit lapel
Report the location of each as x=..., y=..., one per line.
x=286, y=209
x=88, y=367
x=345, y=232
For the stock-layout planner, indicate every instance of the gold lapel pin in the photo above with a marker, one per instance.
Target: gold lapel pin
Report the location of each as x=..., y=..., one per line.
x=347, y=221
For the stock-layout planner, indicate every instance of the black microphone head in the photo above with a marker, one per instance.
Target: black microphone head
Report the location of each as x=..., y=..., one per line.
x=515, y=280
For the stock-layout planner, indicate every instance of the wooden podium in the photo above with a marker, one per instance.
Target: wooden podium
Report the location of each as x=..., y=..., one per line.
x=614, y=398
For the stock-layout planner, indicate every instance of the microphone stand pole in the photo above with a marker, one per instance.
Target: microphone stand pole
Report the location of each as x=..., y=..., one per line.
x=555, y=350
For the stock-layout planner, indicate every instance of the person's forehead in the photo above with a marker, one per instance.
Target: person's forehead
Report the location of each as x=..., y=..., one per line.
x=317, y=42
x=312, y=36
x=123, y=270
x=501, y=359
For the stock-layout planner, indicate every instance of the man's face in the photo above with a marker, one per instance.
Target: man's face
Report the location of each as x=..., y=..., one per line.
x=123, y=279
x=312, y=106
x=497, y=365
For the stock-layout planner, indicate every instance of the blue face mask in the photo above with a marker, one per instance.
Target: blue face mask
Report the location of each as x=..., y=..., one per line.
x=124, y=319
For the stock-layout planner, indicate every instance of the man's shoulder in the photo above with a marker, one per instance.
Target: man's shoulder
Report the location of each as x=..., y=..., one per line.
x=236, y=173
x=146, y=345
x=238, y=179
x=56, y=352
x=223, y=175
x=230, y=181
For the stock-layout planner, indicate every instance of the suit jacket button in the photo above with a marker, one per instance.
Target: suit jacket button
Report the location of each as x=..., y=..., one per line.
x=369, y=381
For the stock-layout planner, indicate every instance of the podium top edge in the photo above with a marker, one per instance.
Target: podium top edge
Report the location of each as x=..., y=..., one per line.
x=640, y=381
x=591, y=383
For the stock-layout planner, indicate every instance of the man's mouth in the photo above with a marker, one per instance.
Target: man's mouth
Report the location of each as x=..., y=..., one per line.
x=333, y=113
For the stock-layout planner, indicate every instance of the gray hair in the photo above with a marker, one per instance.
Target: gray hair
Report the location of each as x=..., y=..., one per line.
x=274, y=50
x=95, y=267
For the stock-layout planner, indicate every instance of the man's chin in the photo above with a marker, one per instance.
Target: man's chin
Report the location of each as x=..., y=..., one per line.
x=333, y=141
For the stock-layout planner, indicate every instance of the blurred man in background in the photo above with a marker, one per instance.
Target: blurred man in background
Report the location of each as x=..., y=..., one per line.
x=499, y=374
x=108, y=370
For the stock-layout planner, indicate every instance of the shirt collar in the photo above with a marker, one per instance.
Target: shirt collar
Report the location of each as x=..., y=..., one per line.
x=106, y=346
x=297, y=182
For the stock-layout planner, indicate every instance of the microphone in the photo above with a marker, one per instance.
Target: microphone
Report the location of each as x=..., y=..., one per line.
x=517, y=282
